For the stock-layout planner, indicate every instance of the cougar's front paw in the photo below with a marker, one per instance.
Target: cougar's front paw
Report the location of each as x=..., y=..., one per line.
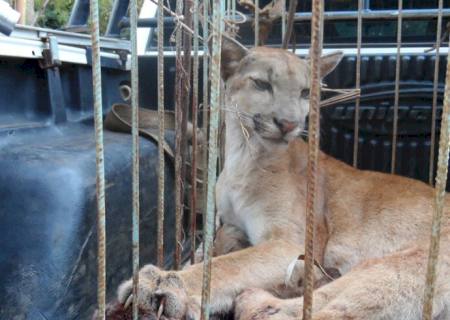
x=258, y=304
x=160, y=292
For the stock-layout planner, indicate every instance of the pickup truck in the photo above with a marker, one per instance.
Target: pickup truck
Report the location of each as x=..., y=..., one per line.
x=48, y=265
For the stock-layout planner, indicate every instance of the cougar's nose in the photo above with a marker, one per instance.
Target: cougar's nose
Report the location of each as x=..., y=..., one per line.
x=284, y=125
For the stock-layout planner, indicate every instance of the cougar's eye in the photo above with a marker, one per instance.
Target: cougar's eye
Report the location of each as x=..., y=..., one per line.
x=262, y=85
x=304, y=93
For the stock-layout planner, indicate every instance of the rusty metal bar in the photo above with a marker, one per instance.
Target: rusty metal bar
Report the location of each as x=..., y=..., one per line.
x=208, y=228
x=205, y=101
x=194, y=132
x=135, y=152
x=435, y=87
x=441, y=181
x=313, y=152
x=178, y=134
x=397, y=87
x=185, y=93
x=256, y=23
x=99, y=160
x=161, y=167
x=357, y=83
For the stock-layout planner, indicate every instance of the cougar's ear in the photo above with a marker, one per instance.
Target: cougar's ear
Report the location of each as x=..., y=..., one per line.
x=329, y=62
x=232, y=54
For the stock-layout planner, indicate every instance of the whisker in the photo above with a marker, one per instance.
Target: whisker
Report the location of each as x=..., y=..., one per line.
x=240, y=111
x=244, y=115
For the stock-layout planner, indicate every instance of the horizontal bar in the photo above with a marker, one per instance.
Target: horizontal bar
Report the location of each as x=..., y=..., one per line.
x=376, y=14
x=67, y=38
x=149, y=22
x=306, y=16
x=346, y=51
x=366, y=14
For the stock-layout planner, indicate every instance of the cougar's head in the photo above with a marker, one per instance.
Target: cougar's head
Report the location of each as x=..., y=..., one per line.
x=268, y=89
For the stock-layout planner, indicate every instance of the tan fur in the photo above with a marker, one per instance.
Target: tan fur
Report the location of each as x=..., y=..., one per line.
x=372, y=227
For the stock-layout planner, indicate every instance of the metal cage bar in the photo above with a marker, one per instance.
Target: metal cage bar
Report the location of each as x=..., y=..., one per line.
x=178, y=133
x=205, y=96
x=161, y=174
x=368, y=14
x=135, y=152
x=283, y=20
x=435, y=87
x=441, y=181
x=195, y=71
x=256, y=23
x=186, y=91
x=397, y=87
x=313, y=153
x=99, y=160
x=357, y=83
x=208, y=229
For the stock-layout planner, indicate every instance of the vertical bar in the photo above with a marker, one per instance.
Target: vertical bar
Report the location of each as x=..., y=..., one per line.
x=184, y=107
x=283, y=20
x=397, y=87
x=212, y=161
x=256, y=23
x=233, y=7
x=178, y=134
x=290, y=23
x=313, y=151
x=135, y=151
x=205, y=119
x=435, y=87
x=441, y=181
x=161, y=174
x=194, y=133
x=99, y=159
x=357, y=83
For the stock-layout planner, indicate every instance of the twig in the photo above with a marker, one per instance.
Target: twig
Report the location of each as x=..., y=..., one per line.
x=178, y=19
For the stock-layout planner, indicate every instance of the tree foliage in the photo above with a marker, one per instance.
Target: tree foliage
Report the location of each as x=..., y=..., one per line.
x=57, y=12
